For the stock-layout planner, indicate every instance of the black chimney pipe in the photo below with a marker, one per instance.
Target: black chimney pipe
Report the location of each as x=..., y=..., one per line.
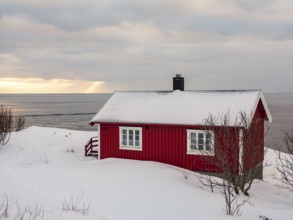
x=178, y=82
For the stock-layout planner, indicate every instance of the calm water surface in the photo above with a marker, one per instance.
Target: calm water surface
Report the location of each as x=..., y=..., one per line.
x=74, y=111
x=281, y=108
x=71, y=111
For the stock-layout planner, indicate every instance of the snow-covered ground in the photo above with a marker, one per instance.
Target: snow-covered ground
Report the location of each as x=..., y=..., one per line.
x=40, y=168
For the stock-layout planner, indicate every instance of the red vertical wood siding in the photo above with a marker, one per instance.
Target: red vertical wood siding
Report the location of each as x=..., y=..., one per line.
x=253, y=149
x=227, y=148
x=168, y=144
x=161, y=143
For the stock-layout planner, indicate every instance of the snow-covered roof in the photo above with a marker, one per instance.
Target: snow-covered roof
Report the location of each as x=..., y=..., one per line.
x=178, y=107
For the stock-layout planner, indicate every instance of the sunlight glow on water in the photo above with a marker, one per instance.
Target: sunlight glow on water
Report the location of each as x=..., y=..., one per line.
x=37, y=85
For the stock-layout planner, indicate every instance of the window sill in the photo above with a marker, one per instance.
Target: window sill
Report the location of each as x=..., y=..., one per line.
x=201, y=153
x=130, y=148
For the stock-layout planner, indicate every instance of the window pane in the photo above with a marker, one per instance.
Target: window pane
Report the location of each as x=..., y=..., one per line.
x=130, y=137
x=193, y=147
x=208, y=135
x=137, y=137
x=208, y=141
x=124, y=139
x=200, y=141
x=193, y=135
x=124, y=132
x=192, y=141
x=200, y=146
x=208, y=145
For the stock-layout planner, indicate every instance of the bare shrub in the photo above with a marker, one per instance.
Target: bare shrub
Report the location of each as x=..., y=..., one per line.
x=234, y=156
x=76, y=204
x=9, y=123
x=284, y=163
x=237, y=151
x=19, y=122
x=6, y=124
x=207, y=180
x=29, y=213
x=4, y=206
x=12, y=210
x=231, y=200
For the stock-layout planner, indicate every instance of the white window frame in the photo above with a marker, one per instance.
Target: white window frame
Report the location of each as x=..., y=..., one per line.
x=210, y=152
x=128, y=146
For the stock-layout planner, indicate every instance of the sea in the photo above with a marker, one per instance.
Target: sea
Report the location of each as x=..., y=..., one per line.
x=74, y=111
x=70, y=111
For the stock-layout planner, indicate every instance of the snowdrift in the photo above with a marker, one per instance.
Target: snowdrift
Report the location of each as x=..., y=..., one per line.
x=45, y=167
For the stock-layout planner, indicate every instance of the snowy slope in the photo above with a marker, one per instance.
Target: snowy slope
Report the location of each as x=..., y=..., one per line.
x=44, y=166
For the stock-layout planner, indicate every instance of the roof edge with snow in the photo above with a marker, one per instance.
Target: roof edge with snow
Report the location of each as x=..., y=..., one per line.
x=176, y=107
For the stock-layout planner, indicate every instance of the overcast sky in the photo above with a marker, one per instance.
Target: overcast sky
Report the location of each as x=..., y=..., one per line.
x=108, y=45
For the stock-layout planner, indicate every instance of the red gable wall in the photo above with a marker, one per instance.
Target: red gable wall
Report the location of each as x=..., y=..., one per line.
x=253, y=141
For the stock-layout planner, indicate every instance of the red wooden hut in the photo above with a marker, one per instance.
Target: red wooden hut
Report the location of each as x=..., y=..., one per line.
x=170, y=127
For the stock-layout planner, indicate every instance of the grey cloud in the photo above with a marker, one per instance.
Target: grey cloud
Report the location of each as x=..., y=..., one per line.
x=164, y=14
x=78, y=17
x=239, y=26
x=256, y=5
x=141, y=45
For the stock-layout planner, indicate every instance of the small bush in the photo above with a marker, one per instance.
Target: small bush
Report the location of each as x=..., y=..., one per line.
x=76, y=204
x=231, y=200
x=9, y=123
x=12, y=210
x=29, y=213
x=4, y=206
x=285, y=161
